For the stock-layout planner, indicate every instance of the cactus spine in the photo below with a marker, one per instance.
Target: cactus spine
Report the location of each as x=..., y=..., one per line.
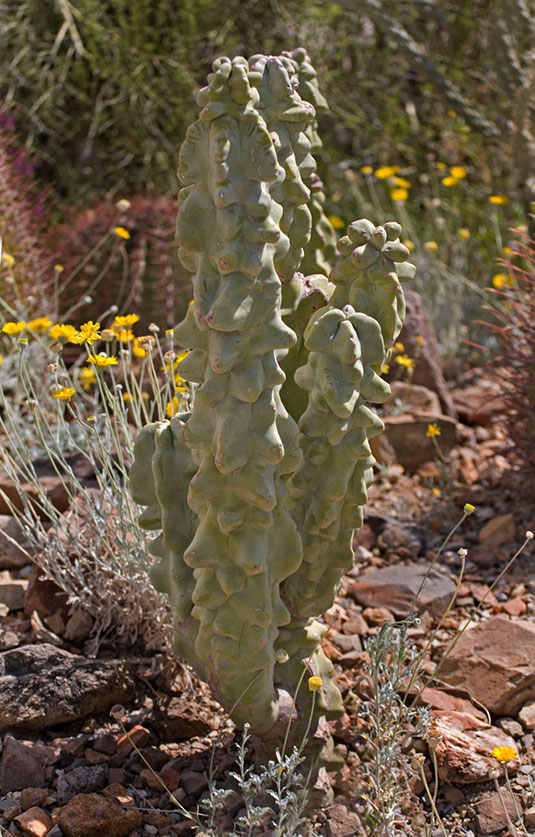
x=257, y=511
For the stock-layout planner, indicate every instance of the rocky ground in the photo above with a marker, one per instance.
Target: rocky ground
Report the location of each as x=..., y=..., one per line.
x=68, y=768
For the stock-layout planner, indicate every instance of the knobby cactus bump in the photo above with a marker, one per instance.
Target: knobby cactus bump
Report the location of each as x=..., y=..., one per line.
x=258, y=491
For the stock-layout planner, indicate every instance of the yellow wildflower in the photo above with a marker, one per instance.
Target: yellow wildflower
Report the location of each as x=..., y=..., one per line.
x=458, y=172
x=14, y=328
x=398, y=347
x=126, y=396
x=137, y=350
x=1, y=359
x=172, y=407
x=502, y=280
x=498, y=200
x=401, y=181
x=436, y=492
x=409, y=245
x=121, y=232
x=315, y=683
x=366, y=169
x=62, y=330
x=126, y=321
x=191, y=302
x=464, y=233
x=420, y=341
x=386, y=171
x=450, y=181
x=336, y=196
x=504, y=754
x=430, y=246
x=64, y=394
x=441, y=166
x=7, y=259
x=40, y=324
x=507, y=251
x=88, y=333
x=386, y=369
x=469, y=508
x=23, y=340
x=125, y=335
x=59, y=268
x=87, y=377
x=336, y=222
x=433, y=430
x=399, y=194
x=452, y=113
x=102, y=360
x=405, y=360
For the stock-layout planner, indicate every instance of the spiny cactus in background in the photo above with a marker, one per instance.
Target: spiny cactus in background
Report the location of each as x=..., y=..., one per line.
x=25, y=264
x=258, y=495
x=135, y=268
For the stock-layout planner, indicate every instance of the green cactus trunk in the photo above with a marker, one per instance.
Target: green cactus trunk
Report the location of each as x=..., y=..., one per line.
x=258, y=492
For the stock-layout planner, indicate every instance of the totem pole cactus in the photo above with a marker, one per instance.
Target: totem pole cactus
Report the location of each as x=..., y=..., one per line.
x=259, y=490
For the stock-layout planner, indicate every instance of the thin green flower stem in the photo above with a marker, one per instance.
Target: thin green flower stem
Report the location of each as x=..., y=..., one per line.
x=459, y=634
x=431, y=800
x=441, y=548
x=421, y=655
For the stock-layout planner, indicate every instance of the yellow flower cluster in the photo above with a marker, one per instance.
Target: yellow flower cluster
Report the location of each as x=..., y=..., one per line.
x=102, y=360
x=433, y=430
x=504, y=754
x=63, y=394
x=14, y=328
x=457, y=173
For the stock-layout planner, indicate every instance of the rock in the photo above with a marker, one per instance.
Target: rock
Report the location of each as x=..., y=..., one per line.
x=33, y=797
x=12, y=591
x=55, y=832
x=409, y=398
x=170, y=778
x=407, y=435
x=44, y=596
x=22, y=764
x=35, y=822
x=439, y=699
x=83, y=778
x=427, y=356
x=92, y=815
x=192, y=782
x=41, y=686
x=52, y=485
x=526, y=716
x=356, y=624
x=105, y=743
x=138, y=736
x=377, y=616
x=490, y=815
x=341, y=822
x=480, y=402
x=454, y=795
x=529, y=816
x=11, y=556
x=494, y=663
x=395, y=588
x=78, y=626
x=498, y=530
x=511, y=727
x=514, y=607
x=347, y=643
x=464, y=746
x=178, y=720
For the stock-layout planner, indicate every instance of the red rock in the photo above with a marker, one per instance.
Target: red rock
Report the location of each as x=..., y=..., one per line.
x=481, y=592
x=490, y=814
x=44, y=596
x=526, y=716
x=479, y=403
x=341, y=822
x=33, y=797
x=365, y=537
x=409, y=398
x=407, y=434
x=93, y=815
x=396, y=587
x=498, y=530
x=116, y=775
x=170, y=778
x=23, y=765
x=105, y=743
x=514, y=607
x=92, y=757
x=35, y=822
x=494, y=663
x=438, y=699
x=178, y=720
x=53, y=487
x=137, y=736
x=78, y=626
x=377, y=616
x=454, y=795
x=12, y=555
x=355, y=625
x=464, y=746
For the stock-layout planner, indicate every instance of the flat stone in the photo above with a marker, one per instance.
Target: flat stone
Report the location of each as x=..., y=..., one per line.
x=33, y=797
x=405, y=398
x=498, y=530
x=178, y=720
x=78, y=626
x=395, y=588
x=515, y=607
x=41, y=685
x=526, y=716
x=490, y=815
x=511, y=727
x=439, y=699
x=407, y=435
x=11, y=555
x=92, y=815
x=192, y=782
x=464, y=746
x=138, y=736
x=529, y=816
x=52, y=485
x=22, y=764
x=35, y=822
x=12, y=592
x=494, y=662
